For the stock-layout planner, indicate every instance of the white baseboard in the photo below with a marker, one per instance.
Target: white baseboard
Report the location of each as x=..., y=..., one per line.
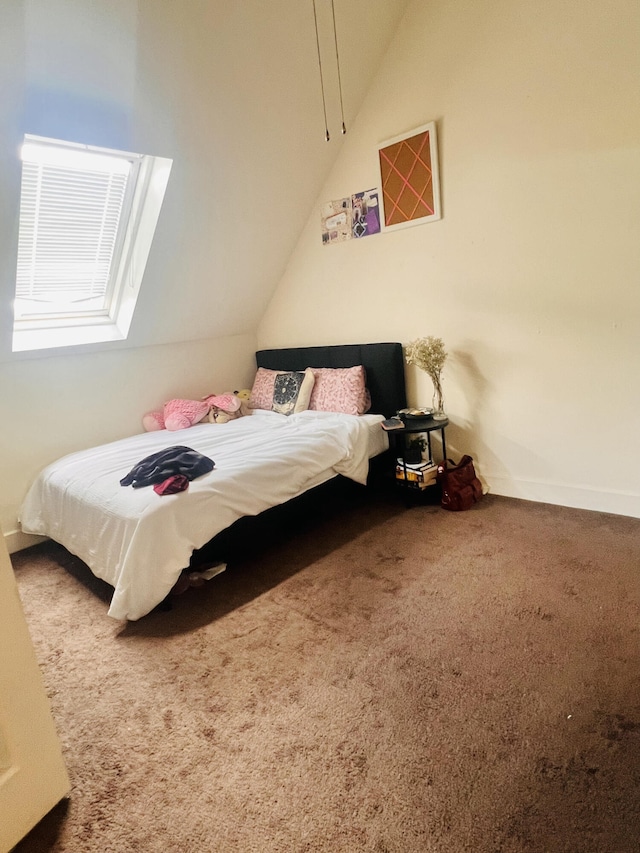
x=615, y=502
x=17, y=540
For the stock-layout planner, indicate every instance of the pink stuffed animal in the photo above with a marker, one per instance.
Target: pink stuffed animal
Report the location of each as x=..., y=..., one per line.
x=176, y=414
x=153, y=421
x=226, y=407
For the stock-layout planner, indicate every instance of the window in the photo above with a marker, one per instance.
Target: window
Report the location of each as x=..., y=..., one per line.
x=87, y=219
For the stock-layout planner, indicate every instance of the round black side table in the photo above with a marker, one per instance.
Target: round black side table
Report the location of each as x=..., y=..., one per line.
x=413, y=426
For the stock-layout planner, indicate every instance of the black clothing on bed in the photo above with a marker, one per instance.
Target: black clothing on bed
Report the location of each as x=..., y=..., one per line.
x=165, y=463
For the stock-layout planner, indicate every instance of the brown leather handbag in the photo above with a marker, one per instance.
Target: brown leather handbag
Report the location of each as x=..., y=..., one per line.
x=460, y=486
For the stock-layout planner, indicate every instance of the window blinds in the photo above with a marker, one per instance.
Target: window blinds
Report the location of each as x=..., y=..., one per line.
x=71, y=208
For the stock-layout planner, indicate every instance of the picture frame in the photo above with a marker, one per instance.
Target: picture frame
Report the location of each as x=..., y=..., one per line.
x=410, y=178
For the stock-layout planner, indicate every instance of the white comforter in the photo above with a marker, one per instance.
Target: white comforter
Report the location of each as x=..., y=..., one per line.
x=139, y=541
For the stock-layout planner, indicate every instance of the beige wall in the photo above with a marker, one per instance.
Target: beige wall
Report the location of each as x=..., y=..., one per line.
x=95, y=74
x=67, y=403
x=532, y=277
x=229, y=91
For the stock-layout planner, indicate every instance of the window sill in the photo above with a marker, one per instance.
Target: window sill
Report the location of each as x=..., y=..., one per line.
x=26, y=340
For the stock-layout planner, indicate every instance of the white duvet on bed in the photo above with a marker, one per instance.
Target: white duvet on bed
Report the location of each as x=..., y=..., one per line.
x=139, y=541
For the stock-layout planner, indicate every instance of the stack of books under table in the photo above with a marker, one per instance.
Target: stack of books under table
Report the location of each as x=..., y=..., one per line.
x=418, y=475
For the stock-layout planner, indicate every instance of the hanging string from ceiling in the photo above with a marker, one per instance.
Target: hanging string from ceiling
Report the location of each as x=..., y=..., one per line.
x=335, y=38
x=324, y=100
x=324, y=103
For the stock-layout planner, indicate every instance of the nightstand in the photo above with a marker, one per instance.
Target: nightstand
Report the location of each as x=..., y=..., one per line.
x=409, y=476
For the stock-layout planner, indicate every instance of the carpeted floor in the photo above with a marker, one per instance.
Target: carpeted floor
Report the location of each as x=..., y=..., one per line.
x=382, y=678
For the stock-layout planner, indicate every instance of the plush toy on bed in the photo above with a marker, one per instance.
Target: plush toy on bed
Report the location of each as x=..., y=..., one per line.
x=176, y=414
x=226, y=407
x=180, y=414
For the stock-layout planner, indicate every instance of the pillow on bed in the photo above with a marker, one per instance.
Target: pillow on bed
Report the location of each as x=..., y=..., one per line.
x=292, y=391
x=263, y=392
x=340, y=389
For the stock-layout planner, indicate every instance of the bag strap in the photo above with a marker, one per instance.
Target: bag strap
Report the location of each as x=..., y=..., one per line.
x=466, y=459
x=449, y=464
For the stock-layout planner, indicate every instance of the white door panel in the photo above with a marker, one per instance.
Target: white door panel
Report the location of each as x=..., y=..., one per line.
x=33, y=777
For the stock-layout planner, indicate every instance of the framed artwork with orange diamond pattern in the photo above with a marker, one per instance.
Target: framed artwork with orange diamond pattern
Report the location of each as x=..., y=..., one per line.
x=409, y=178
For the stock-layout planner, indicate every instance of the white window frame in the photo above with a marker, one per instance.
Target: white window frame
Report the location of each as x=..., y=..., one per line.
x=140, y=211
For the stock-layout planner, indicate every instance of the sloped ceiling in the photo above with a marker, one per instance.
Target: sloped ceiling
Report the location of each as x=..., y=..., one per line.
x=232, y=92
x=229, y=90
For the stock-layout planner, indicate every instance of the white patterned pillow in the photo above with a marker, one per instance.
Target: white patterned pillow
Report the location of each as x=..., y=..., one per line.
x=292, y=391
x=340, y=389
x=263, y=390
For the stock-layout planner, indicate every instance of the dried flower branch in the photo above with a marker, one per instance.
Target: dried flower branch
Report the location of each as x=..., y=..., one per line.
x=429, y=355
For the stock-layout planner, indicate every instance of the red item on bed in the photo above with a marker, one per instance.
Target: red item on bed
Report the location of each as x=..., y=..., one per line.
x=173, y=484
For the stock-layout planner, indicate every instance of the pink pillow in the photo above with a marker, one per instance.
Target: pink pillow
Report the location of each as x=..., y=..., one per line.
x=340, y=389
x=262, y=390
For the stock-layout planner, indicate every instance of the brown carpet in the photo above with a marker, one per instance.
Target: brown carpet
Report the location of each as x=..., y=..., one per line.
x=385, y=678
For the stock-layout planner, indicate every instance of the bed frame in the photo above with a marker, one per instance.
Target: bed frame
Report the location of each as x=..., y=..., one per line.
x=384, y=363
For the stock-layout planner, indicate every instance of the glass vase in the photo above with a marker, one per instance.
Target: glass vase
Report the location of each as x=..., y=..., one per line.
x=438, y=400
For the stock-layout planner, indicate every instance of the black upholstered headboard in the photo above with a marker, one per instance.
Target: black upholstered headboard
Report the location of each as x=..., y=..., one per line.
x=384, y=364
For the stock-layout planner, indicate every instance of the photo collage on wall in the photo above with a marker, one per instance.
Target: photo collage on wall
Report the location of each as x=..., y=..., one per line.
x=409, y=192
x=349, y=218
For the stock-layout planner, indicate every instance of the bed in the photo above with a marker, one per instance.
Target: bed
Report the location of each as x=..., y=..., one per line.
x=140, y=542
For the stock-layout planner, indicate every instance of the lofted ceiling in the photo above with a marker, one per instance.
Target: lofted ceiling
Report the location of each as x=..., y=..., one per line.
x=232, y=92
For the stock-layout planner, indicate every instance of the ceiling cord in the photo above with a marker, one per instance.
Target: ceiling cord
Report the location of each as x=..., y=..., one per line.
x=324, y=105
x=335, y=38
